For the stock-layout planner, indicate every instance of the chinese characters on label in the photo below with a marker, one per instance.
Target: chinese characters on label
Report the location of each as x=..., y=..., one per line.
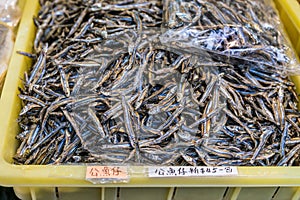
x=109, y=172
x=174, y=171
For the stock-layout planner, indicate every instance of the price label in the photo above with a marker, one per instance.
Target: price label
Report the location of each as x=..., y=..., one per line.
x=106, y=172
x=176, y=171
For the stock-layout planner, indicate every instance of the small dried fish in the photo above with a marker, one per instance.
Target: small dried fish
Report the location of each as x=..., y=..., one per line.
x=112, y=92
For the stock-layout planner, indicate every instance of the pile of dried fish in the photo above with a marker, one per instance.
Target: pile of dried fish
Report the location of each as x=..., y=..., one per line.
x=104, y=89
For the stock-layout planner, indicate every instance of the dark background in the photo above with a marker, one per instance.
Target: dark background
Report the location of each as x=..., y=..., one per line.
x=7, y=193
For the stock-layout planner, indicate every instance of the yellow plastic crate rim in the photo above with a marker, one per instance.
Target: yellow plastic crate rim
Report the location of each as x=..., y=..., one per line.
x=74, y=175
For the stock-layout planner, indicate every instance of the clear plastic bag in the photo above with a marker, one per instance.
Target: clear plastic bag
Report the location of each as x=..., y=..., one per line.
x=9, y=12
x=9, y=18
x=231, y=31
x=7, y=42
x=153, y=111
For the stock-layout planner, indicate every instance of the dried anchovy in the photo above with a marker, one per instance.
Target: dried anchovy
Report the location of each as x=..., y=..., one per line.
x=104, y=89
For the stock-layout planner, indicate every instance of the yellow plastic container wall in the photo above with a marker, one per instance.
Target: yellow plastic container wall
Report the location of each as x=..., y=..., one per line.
x=68, y=181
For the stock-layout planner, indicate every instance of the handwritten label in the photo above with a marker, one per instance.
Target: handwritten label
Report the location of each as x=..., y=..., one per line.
x=176, y=171
x=106, y=172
